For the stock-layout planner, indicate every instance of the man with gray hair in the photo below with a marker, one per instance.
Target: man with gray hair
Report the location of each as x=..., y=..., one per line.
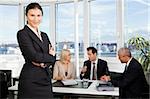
x=133, y=83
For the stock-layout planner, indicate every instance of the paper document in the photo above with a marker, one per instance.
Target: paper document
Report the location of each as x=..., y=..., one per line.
x=69, y=82
x=53, y=81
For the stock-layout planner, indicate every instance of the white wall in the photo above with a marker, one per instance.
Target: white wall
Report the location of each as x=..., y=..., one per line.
x=114, y=64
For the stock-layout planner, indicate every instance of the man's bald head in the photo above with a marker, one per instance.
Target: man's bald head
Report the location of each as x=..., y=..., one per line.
x=124, y=52
x=124, y=55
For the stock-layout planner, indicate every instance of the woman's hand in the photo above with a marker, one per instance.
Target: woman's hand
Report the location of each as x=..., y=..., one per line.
x=51, y=50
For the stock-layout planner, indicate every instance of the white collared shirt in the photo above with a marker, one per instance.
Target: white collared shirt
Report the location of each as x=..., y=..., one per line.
x=129, y=62
x=91, y=75
x=38, y=33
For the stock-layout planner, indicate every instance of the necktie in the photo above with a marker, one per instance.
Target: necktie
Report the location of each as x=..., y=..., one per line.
x=93, y=77
x=126, y=67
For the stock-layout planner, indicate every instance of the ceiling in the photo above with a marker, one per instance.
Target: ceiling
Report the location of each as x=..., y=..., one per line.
x=28, y=1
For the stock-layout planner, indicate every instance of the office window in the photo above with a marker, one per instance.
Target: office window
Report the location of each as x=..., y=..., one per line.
x=45, y=25
x=103, y=27
x=65, y=33
x=8, y=24
x=10, y=56
x=81, y=37
x=65, y=27
x=137, y=20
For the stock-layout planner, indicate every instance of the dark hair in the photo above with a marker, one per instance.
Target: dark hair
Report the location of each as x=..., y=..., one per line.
x=33, y=6
x=94, y=50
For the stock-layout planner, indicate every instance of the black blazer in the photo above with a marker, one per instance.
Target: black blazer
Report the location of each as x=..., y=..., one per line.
x=133, y=83
x=34, y=81
x=102, y=69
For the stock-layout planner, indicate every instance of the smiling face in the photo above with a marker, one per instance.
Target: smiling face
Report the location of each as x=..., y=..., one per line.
x=65, y=56
x=91, y=56
x=34, y=17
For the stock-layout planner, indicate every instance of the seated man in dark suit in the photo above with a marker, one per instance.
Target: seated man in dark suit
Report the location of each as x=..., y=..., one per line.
x=133, y=84
x=93, y=68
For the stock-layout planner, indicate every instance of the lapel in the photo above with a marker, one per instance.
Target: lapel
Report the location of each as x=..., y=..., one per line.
x=45, y=42
x=126, y=69
x=89, y=64
x=34, y=37
x=98, y=64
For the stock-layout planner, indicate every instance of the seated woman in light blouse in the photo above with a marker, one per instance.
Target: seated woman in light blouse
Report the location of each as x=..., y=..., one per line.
x=64, y=69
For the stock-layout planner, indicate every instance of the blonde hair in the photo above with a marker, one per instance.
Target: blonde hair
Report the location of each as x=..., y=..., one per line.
x=63, y=55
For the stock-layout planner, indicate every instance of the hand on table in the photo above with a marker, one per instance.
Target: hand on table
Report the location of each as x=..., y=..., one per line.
x=105, y=78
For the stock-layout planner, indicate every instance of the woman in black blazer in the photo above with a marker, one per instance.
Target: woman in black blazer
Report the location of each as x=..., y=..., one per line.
x=34, y=80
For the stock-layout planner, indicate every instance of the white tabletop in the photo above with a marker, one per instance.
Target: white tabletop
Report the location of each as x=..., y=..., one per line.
x=91, y=90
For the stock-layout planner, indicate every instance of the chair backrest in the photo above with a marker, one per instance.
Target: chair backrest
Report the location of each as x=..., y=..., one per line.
x=7, y=77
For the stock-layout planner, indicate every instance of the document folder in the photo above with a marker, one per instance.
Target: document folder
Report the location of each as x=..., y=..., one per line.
x=69, y=82
x=73, y=84
x=105, y=86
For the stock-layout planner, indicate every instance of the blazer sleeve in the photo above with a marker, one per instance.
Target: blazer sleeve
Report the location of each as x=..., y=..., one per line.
x=102, y=68
x=128, y=77
x=106, y=70
x=87, y=73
